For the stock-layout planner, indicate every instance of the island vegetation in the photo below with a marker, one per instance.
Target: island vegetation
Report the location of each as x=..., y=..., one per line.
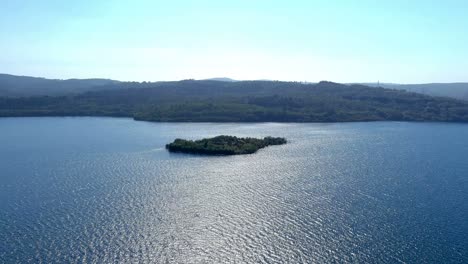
x=245, y=101
x=223, y=145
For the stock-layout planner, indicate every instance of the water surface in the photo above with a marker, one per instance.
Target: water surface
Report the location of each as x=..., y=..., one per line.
x=104, y=190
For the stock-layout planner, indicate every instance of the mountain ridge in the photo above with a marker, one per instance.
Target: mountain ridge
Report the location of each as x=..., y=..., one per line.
x=26, y=86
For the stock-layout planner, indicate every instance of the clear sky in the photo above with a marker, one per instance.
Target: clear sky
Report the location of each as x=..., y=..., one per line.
x=410, y=41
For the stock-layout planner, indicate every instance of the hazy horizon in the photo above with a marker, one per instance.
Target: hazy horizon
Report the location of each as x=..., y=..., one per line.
x=235, y=80
x=340, y=41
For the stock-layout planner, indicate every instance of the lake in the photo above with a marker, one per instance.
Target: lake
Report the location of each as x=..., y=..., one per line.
x=104, y=190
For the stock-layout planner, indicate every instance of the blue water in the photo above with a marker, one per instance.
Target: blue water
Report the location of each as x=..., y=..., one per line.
x=104, y=190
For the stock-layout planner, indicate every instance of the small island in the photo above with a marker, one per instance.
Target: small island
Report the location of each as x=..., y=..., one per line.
x=223, y=145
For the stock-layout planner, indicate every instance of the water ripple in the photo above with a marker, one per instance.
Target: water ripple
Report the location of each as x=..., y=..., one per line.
x=337, y=193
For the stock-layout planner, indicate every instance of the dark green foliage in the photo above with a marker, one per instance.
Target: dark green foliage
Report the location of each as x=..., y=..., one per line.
x=223, y=145
x=248, y=101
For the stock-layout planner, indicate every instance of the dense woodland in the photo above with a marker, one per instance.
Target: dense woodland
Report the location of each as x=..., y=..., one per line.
x=246, y=101
x=223, y=145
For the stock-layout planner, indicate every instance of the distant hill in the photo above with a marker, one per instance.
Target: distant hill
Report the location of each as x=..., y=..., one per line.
x=21, y=86
x=244, y=101
x=24, y=86
x=453, y=90
x=222, y=79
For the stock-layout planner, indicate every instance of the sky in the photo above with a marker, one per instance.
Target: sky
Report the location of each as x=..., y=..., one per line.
x=418, y=41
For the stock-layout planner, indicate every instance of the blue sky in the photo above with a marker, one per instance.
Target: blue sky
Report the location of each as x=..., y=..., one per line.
x=343, y=41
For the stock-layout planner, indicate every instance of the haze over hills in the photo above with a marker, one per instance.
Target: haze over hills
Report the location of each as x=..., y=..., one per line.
x=453, y=90
x=20, y=86
x=25, y=86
